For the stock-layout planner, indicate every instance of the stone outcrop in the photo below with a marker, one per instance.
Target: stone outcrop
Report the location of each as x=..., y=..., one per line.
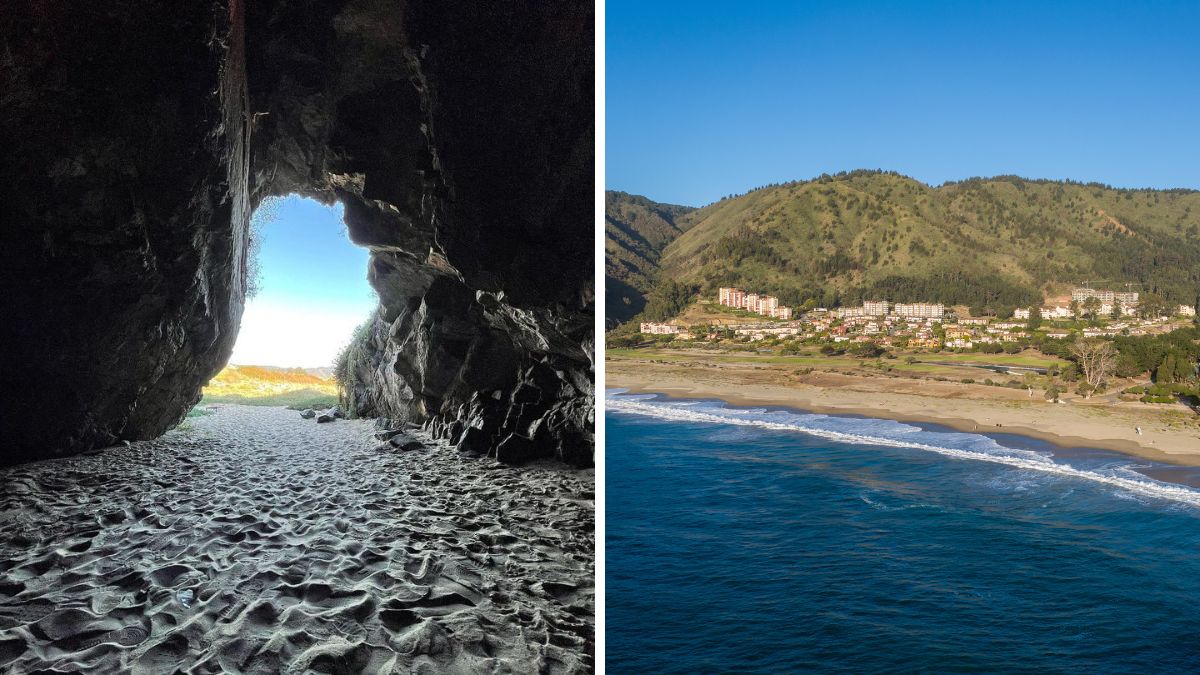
x=459, y=138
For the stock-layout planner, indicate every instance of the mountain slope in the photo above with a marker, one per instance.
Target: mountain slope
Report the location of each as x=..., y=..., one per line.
x=636, y=230
x=994, y=242
x=266, y=381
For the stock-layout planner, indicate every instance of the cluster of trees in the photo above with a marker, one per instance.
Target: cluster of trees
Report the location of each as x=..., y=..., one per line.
x=667, y=299
x=747, y=245
x=985, y=292
x=1141, y=354
x=1169, y=359
x=1166, y=267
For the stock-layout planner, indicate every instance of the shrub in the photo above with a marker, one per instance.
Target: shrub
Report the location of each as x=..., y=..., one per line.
x=349, y=365
x=967, y=380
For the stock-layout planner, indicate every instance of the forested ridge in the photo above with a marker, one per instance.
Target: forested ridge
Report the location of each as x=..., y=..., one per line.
x=982, y=242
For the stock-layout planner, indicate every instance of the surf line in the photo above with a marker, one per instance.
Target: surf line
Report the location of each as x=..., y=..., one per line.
x=1149, y=487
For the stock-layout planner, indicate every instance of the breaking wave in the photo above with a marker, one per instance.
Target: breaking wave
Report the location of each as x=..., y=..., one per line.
x=888, y=433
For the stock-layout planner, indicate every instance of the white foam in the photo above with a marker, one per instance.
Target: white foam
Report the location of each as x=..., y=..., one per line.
x=999, y=455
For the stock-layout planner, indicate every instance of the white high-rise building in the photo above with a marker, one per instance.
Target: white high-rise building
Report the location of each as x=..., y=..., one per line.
x=875, y=307
x=920, y=310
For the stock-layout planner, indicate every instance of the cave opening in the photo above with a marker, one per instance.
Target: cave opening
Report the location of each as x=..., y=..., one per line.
x=460, y=143
x=457, y=140
x=308, y=292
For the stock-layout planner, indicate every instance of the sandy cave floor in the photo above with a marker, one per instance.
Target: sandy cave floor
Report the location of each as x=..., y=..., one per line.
x=255, y=541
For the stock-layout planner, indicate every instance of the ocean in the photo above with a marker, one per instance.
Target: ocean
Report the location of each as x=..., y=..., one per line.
x=774, y=540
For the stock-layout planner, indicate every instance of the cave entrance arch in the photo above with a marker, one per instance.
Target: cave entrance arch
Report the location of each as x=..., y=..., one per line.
x=460, y=139
x=308, y=292
x=309, y=286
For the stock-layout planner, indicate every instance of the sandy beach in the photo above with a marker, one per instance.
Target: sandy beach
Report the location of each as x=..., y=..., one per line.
x=253, y=541
x=1168, y=435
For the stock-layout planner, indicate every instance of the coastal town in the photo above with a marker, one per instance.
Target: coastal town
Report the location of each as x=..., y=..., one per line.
x=924, y=325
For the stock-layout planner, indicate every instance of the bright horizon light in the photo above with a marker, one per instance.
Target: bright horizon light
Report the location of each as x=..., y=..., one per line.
x=313, y=288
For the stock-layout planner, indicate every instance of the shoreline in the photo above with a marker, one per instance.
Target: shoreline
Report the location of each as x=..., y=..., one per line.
x=1178, y=448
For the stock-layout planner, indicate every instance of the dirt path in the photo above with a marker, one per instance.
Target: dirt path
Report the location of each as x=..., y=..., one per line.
x=259, y=542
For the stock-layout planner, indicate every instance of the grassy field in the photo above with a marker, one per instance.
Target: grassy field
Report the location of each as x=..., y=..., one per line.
x=296, y=400
x=952, y=366
x=258, y=385
x=1027, y=359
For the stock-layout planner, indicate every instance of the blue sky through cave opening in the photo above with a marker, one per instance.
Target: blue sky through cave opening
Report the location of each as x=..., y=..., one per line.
x=313, y=286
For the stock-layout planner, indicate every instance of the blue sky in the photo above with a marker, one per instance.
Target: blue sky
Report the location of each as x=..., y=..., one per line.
x=709, y=98
x=313, y=287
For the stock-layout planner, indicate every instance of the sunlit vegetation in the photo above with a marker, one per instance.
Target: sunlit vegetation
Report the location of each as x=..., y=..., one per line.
x=988, y=243
x=261, y=385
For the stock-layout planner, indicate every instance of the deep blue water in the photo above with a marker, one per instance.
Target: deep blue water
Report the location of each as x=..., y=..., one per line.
x=754, y=540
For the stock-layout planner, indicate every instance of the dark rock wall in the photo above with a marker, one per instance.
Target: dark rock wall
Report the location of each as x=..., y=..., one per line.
x=123, y=186
x=459, y=136
x=460, y=139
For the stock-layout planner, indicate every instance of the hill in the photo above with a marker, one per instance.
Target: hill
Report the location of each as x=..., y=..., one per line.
x=1003, y=241
x=269, y=385
x=636, y=232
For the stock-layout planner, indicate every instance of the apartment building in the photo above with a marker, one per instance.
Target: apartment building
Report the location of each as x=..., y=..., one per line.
x=875, y=307
x=1105, y=296
x=751, y=303
x=651, y=328
x=920, y=310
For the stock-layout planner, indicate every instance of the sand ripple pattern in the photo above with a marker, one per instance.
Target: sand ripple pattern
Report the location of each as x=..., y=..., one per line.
x=257, y=542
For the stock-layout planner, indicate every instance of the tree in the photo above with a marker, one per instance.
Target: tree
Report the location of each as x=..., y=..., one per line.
x=1035, y=318
x=1165, y=372
x=1075, y=308
x=1091, y=306
x=867, y=350
x=667, y=300
x=1151, y=305
x=1095, y=358
x=1116, y=309
x=1175, y=368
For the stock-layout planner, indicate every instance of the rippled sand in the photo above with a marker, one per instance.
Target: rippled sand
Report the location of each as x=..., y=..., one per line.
x=259, y=542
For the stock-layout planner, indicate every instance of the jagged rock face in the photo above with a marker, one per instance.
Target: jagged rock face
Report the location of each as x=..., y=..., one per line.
x=124, y=185
x=460, y=140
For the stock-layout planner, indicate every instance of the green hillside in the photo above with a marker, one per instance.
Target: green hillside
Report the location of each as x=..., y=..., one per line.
x=636, y=231
x=980, y=242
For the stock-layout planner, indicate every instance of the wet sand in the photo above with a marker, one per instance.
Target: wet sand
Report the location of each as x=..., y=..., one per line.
x=962, y=407
x=258, y=542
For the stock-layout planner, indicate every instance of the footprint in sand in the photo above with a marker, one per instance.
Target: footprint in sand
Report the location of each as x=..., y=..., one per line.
x=10, y=649
x=301, y=553
x=28, y=612
x=130, y=636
